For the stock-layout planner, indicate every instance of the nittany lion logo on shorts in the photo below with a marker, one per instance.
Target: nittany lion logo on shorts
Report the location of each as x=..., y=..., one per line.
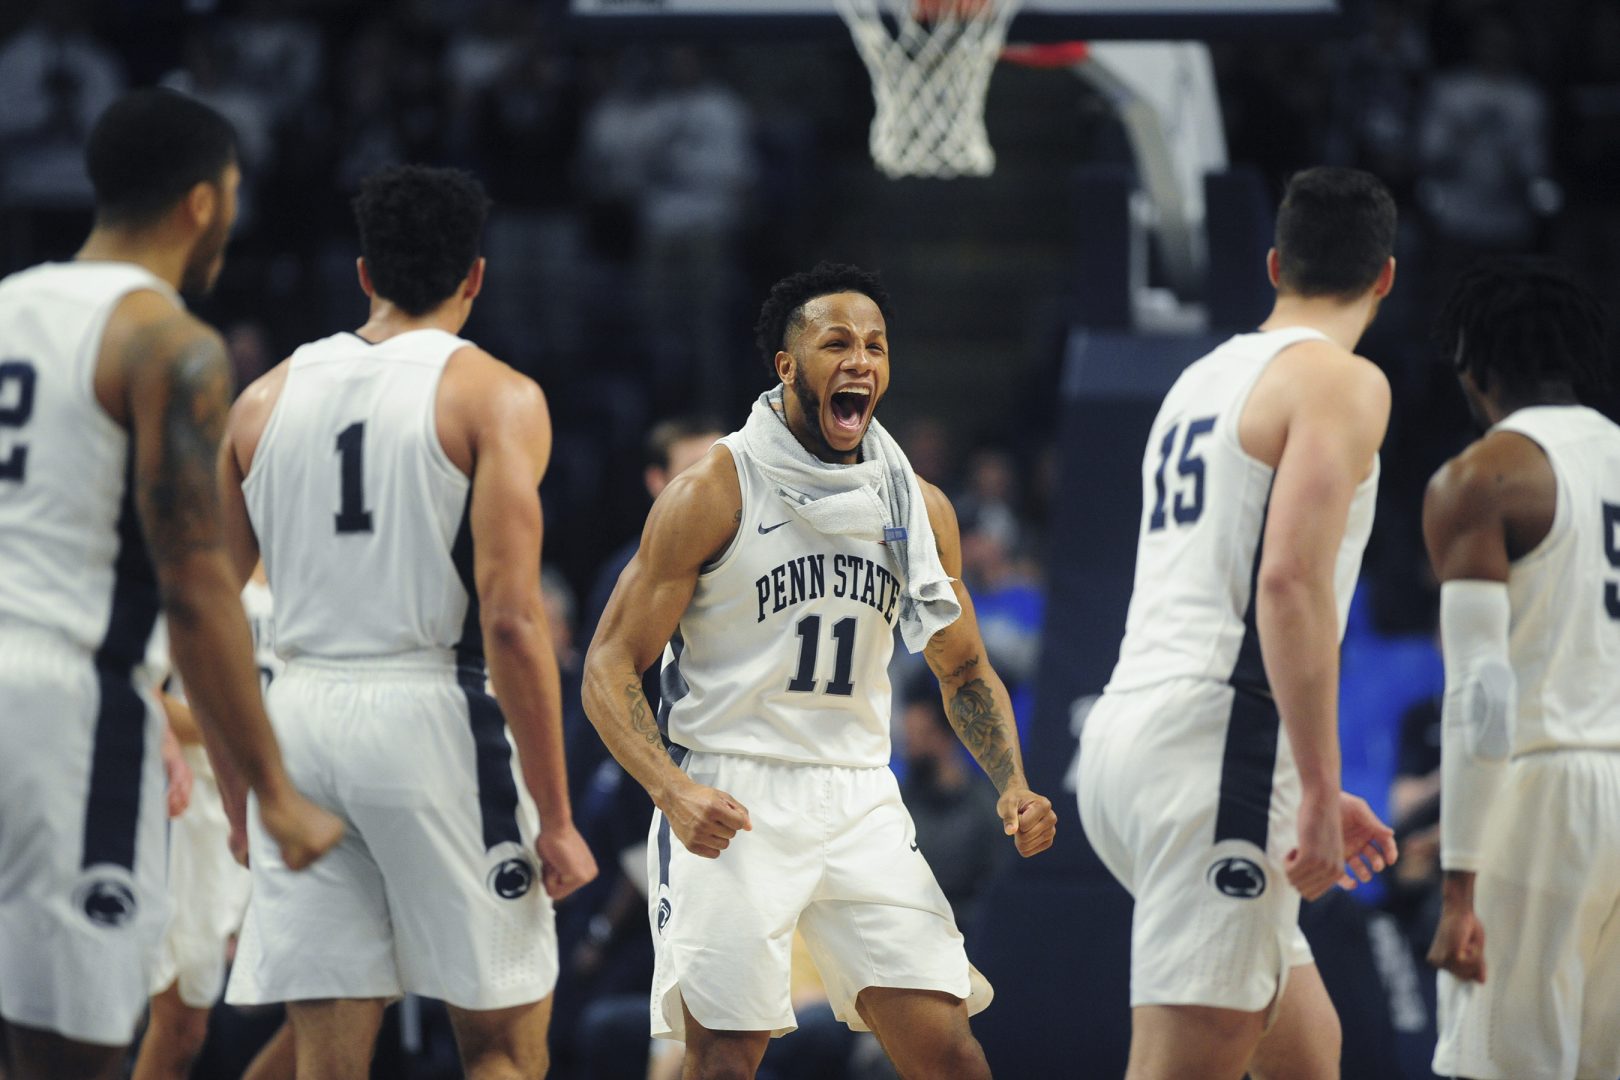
x=106, y=901
x=665, y=908
x=511, y=878
x=1238, y=877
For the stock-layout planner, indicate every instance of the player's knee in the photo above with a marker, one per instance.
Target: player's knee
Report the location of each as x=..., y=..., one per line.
x=960, y=1057
x=720, y=1063
x=177, y=1035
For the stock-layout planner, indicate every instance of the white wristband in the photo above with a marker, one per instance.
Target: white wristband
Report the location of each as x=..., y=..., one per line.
x=1476, y=731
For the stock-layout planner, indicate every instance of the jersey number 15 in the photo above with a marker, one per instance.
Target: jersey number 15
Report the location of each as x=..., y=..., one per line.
x=1188, y=504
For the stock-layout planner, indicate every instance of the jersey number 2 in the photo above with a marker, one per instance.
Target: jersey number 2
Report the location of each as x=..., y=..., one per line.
x=1611, y=547
x=1186, y=508
x=809, y=631
x=352, y=515
x=16, y=406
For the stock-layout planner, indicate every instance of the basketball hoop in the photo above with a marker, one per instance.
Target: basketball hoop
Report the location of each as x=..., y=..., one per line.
x=930, y=62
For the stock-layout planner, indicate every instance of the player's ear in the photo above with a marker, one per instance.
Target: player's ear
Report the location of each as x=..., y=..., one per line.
x=475, y=280
x=1274, y=268
x=786, y=366
x=365, y=277
x=1386, y=279
x=202, y=202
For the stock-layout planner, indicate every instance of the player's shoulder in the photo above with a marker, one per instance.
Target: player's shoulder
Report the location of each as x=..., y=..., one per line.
x=149, y=325
x=941, y=512
x=1318, y=367
x=711, y=484
x=696, y=517
x=1487, y=479
x=476, y=380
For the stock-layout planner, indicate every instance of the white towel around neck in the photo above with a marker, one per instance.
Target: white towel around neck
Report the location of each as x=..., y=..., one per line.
x=876, y=499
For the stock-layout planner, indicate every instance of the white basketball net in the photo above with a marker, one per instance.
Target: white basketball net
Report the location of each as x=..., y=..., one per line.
x=930, y=62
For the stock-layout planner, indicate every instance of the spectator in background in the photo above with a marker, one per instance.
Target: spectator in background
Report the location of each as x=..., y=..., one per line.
x=1377, y=85
x=1483, y=152
x=698, y=181
x=1006, y=593
x=952, y=806
x=55, y=79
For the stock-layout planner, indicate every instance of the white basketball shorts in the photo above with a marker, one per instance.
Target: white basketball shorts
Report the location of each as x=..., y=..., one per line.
x=1189, y=795
x=82, y=903
x=208, y=892
x=1548, y=896
x=434, y=889
x=833, y=853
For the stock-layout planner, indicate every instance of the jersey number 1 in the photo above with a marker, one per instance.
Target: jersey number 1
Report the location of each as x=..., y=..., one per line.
x=352, y=515
x=1611, y=547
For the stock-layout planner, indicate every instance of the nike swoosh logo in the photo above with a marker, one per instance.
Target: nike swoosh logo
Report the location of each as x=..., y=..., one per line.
x=763, y=530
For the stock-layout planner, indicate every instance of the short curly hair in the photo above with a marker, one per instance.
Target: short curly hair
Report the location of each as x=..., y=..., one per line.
x=1520, y=323
x=783, y=312
x=419, y=232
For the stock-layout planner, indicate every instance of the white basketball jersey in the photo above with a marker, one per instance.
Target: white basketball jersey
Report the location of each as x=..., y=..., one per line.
x=70, y=540
x=361, y=518
x=784, y=650
x=1204, y=504
x=1564, y=635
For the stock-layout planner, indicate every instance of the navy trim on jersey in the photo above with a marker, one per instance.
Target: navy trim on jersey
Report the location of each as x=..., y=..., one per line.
x=678, y=755
x=492, y=757
x=112, y=808
x=112, y=805
x=135, y=603
x=492, y=754
x=1249, y=670
x=672, y=685
x=1249, y=759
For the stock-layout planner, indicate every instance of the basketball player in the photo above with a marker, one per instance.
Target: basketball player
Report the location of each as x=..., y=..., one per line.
x=775, y=570
x=112, y=401
x=390, y=479
x=1523, y=530
x=208, y=890
x=1209, y=769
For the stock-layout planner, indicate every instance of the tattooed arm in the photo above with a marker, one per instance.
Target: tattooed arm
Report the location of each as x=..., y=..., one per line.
x=693, y=521
x=976, y=700
x=176, y=392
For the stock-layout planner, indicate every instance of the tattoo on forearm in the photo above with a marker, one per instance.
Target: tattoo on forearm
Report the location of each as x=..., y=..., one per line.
x=983, y=729
x=178, y=492
x=641, y=719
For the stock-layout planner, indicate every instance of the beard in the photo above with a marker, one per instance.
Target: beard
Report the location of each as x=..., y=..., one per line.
x=810, y=405
x=207, y=257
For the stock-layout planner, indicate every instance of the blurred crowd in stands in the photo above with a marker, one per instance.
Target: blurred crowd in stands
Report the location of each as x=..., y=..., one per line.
x=646, y=195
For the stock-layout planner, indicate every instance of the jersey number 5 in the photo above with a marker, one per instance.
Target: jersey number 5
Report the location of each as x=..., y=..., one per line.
x=1186, y=506
x=1611, y=547
x=352, y=515
x=16, y=406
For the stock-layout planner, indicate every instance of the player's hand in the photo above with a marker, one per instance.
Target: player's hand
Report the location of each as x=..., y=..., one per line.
x=178, y=774
x=1317, y=862
x=1369, y=844
x=705, y=819
x=566, y=863
x=1459, y=943
x=1028, y=818
x=302, y=831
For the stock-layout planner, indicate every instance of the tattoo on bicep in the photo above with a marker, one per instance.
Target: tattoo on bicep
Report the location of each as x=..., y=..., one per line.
x=641, y=719
x=982, y=729
x=178, y=487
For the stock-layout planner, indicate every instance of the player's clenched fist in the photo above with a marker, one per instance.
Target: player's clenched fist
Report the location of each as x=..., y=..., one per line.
x=1029, y=819
x=566, y=863
x=705, y=819
x=1459, y=944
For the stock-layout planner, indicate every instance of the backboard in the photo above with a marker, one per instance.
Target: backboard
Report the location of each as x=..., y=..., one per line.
x=1038, y=20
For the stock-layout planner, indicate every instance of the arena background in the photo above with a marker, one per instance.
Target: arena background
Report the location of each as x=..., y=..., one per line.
x=655, y=171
